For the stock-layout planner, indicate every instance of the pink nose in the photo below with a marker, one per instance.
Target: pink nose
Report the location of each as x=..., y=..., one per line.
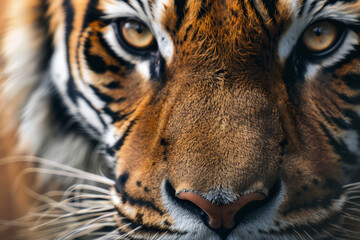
x=223, y=215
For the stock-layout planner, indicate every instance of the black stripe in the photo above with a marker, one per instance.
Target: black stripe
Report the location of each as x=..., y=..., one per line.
x=142, y=6
x=95, y=110
x=127, y=2
x=270, y=5
x=92, y=13
x=121, y=141
x=113, y=85
x=123, y=62
x=74, y=94
x=71, y=89
x=352, y=80
x=144, y=228
x=312, y=6
x=113, y=115
x=293, y=77
x=339, y=147
x=352, y=100
x=180, y=12
x=151, y=9
x=69, y=19
x=331, y=2
x=187, y=32
x=88, y=126
x=260, y=18
x=339, y=122
x=47, y=47
x=102, y=96
x=302, y=8
x=244, y=8
x=355, y=53
x=116, y=116
x=95, y=63
x=206, y=6
x=157, y=67
x=126, y=198
x=61, y=116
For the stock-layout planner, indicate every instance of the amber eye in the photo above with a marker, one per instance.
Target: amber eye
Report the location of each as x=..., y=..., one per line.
x=136, y=34
x=320, y=36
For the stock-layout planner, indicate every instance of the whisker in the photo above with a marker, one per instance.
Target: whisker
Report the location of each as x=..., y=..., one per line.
x=87, y=187
x=113, y=232
x=78, y=232
x=163, y=235
x=88, y=176
x=129, y=233
x=66, y=203
x=355, y=185
x=307, y=234
x=32, y=159
x=300, y=236
x=82, y=211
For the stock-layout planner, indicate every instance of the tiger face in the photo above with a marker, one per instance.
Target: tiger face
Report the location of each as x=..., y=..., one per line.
x=216, y=119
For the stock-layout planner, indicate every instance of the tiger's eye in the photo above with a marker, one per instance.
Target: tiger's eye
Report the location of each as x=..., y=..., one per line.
x=137, y=35
x=320, y=36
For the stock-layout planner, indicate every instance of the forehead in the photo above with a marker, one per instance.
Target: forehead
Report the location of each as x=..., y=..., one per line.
x=264, y=10
x=198, y=8
x=219, y=20
x=227, y=23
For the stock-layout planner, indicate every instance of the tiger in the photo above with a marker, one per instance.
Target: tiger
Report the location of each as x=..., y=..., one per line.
x=182, y=119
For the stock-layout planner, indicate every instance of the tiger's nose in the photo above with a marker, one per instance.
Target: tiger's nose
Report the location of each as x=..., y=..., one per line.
x=224, y=215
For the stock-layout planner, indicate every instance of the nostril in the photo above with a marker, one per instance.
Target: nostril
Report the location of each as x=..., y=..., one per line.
x=242, y=215
x=224, y=215
x=254, y=206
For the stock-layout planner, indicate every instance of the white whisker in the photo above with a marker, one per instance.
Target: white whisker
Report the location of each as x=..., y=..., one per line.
x=113, y=232
x=87, y=187
x=78, y=232
x=81, y=173
x=88, y=176
x=82, y=211
x=129, y=233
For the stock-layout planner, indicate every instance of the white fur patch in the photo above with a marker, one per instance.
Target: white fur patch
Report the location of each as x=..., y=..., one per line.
x=351, y=140
x=59, y=71
x=90, y=114
x=164, y=40
x=117, y=9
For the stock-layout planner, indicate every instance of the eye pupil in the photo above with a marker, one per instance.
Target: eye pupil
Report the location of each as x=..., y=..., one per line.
x=318, y=31
x=139, y=29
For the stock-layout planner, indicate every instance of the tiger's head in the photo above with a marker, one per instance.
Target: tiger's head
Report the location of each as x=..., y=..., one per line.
x=216, y=119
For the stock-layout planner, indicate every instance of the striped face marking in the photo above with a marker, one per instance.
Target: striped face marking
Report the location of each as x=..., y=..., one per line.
x=221, y=100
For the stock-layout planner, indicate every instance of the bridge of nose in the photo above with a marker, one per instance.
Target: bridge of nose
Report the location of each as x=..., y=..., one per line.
x=223, y=215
